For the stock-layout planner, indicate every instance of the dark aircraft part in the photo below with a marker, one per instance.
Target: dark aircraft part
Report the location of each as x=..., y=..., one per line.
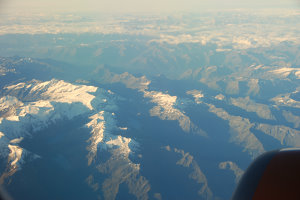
x=272, y=176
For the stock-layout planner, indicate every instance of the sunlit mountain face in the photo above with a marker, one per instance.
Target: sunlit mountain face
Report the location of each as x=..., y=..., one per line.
x=144, y=106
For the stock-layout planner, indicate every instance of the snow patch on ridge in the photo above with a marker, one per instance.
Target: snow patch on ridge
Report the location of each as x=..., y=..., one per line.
x=124, y=144
x=118, y=167
x=286, y=71
x=220, y=97
x=197, y=95
x=229, y=165
x=286, y=100
x=15, y=155
x=163, y=100
x=102, y=125
x=166, y=110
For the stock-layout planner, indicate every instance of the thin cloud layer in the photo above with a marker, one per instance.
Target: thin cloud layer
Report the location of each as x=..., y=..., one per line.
x=120, y=6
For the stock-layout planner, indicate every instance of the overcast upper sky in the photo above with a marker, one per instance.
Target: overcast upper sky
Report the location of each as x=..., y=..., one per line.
x=117, y=6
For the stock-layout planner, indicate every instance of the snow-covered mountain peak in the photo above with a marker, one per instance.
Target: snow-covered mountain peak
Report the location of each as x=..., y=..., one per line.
x=28, y=107
x=53, y=90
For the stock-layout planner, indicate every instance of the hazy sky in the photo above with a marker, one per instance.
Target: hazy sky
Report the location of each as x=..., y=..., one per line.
x=138, y=5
